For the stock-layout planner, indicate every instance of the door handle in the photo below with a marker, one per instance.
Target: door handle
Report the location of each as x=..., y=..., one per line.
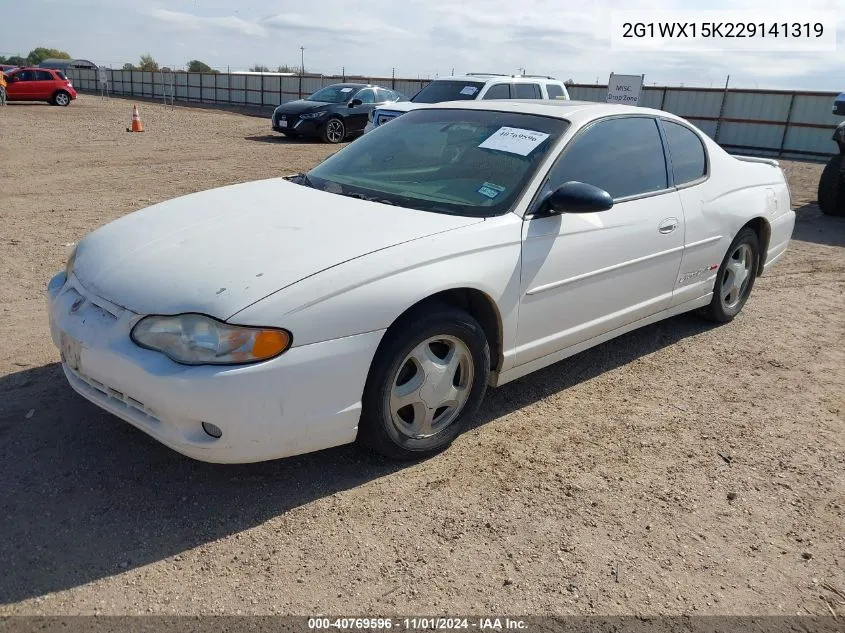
x=668, y=225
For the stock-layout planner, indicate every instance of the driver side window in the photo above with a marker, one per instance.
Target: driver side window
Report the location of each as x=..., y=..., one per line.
x=623, y=156
x=366, y=96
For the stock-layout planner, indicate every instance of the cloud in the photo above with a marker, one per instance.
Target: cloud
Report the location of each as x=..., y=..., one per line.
x=231, y=24
x=345, y=29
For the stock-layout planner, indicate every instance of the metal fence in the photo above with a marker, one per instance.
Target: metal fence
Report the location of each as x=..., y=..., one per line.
x=780, y=123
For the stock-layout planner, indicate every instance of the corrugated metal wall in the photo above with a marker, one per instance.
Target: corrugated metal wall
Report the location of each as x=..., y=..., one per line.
x=791, y=124
x=762, y=122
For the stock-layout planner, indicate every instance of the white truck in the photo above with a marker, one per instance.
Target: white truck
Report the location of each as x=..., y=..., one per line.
x=470, y=87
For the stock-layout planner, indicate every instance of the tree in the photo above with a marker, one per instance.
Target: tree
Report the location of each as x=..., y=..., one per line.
x=17, y=60
x=148, y=63
x=38, y=55
x=259, y=68
x=569, y=82
x=284, y=68
x=196, y=66
x=128, y=66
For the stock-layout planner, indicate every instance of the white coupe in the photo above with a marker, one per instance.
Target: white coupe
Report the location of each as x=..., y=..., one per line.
x=375, y=297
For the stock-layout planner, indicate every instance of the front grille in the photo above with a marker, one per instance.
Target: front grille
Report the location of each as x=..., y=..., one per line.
x=115, y=396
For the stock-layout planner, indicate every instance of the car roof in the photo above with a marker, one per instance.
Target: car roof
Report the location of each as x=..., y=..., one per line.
x=483, y=78
x=348, y=85
x=576, y=112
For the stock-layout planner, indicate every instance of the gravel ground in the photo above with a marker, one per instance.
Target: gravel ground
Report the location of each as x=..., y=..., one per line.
x=593, y=486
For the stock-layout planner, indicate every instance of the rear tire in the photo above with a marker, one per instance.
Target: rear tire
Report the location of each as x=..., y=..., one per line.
x=830, y=196
x=735, y=278
x=61, y=98
x=428, y=377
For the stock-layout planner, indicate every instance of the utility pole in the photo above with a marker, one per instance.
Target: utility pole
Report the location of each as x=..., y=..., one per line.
x=301, y=68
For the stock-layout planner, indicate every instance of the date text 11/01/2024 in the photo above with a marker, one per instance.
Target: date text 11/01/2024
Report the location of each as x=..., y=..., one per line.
x=422, y=623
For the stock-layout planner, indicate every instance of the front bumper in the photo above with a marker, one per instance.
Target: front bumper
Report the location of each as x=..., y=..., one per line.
x=307, y=399
x=295, y=125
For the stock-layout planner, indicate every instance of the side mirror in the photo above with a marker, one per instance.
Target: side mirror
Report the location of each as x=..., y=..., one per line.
x=578, y=197
x=355, y=102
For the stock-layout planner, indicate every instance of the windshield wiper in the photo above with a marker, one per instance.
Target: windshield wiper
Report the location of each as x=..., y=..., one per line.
x=301, y=179
x=361, y=196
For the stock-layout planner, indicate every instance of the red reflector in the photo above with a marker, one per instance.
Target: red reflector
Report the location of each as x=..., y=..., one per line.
x=714, y=266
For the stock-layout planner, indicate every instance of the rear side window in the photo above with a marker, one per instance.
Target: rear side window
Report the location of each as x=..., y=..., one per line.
x=43, y=75
x=498, y=91
x=623, y=156
x=689, y=161
x=527, y=91
x=554, y=91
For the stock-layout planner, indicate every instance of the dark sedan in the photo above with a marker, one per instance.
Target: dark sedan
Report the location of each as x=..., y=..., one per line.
x=332, y=113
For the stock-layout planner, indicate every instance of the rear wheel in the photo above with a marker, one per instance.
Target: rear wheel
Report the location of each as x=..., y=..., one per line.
x=735, y=278
x=61, y=98
x=334, y=131
x=428, y=377
x=831, y=196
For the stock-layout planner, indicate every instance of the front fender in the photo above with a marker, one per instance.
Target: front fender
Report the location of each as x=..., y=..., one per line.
x=369, y=293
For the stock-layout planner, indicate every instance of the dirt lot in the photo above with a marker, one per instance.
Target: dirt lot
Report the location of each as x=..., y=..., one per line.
x=608, y=461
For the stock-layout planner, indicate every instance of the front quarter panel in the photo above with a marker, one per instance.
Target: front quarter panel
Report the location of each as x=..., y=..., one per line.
x=369, y=293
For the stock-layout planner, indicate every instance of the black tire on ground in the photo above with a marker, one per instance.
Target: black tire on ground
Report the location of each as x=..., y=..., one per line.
x=719, y=310
x=329, y=135
x=61, y=98
x=376, y=429
x=831, y=195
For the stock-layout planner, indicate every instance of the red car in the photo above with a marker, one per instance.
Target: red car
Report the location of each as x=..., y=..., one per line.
x=39, y=84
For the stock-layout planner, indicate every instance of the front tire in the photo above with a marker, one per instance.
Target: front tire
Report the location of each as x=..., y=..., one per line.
x=831, y=197
x=428, y=377
x=334, y=131
x=735, y=278
x=61, y=98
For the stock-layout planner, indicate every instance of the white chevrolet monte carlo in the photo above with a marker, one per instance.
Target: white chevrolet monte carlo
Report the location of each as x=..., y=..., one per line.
x=375, y=297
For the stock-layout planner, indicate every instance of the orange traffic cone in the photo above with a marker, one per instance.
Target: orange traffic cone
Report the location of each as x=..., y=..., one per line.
x=137, y=126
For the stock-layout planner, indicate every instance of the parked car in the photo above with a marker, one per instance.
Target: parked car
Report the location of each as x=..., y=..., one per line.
x=831, y=191
x=376, y=296
x=471, y=87
x=332, y=113
x=6, y=68
x=39, y=84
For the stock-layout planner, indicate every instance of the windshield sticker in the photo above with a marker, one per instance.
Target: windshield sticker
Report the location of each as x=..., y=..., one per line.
x=469, y=90
x=346, y=89
x=490, y=190
x=514, y=140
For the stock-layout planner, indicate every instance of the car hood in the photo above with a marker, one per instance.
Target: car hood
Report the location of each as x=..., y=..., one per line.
x=399, y=106
x=301, y=105
x=218, y=251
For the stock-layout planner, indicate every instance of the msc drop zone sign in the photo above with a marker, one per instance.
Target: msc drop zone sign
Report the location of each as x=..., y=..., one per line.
x=624, y=89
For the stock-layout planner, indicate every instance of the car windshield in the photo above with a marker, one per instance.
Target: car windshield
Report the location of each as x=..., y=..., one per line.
x=462, y=162
x=333, y=94
x=448, y=90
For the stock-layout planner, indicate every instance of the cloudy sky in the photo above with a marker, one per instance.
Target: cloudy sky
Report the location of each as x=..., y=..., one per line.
x=416, y=37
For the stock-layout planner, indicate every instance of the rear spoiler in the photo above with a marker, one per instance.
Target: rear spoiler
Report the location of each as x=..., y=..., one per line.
x=756, y=159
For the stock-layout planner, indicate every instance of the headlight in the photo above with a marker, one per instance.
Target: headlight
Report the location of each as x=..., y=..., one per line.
x=313, y=115
x=196, y=339
x=70, y=262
